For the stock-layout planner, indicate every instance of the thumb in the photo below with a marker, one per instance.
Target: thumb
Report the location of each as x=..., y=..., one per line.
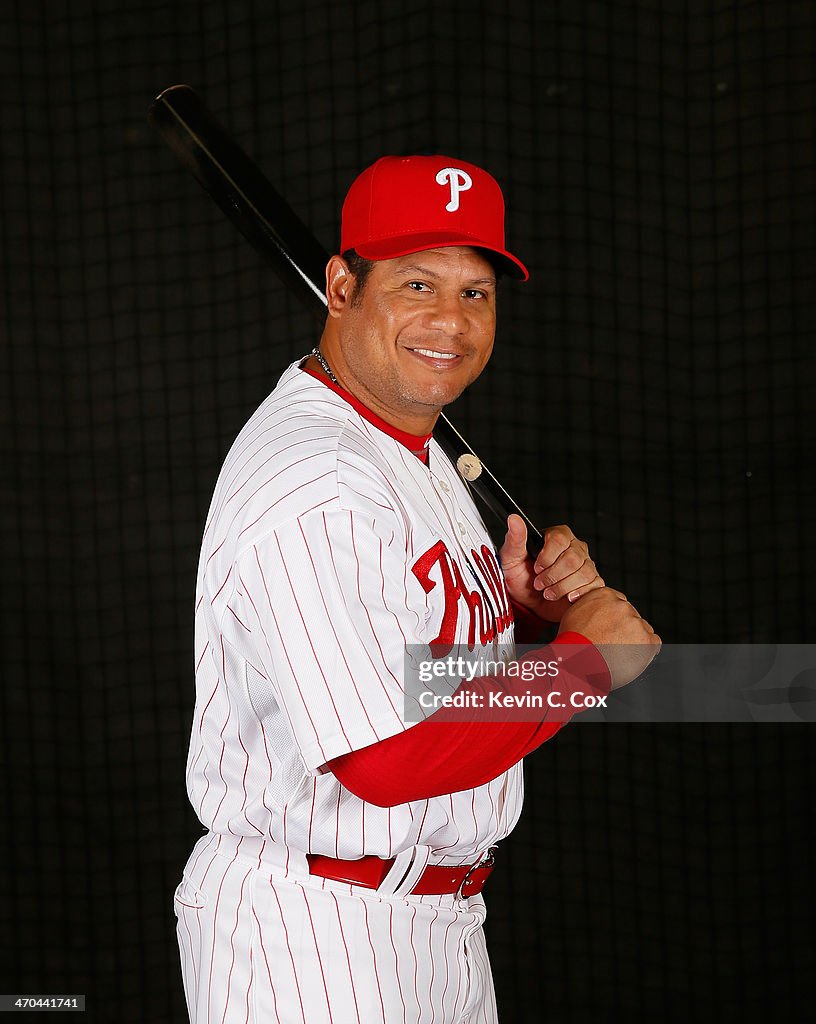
x=514, y=549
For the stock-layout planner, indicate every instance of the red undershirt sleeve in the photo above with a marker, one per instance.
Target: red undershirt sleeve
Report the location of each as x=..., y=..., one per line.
x=444, y=754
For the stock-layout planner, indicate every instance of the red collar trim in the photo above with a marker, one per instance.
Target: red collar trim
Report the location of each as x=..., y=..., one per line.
x=416, y=444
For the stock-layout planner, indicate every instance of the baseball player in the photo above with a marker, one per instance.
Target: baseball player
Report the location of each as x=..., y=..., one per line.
x=340, y=874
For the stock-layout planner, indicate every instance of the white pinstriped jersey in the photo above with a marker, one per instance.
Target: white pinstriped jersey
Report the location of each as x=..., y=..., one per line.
x=328, y=547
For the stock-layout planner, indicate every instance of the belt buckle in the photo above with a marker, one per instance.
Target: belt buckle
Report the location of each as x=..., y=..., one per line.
x=486, y=862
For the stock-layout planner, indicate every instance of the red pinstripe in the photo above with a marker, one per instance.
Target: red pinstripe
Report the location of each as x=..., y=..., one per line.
x=269, y=421
x=216, y=595
x=414, y=471
x=248, y=592
x=348, y=958
x=384, y=480
x=191, y=769
x=266, y=424
x=291, y=957
x=232, y=946
x=268, y=971
x=486, y=985
x=249, y=986
x=416, y=961
x=289, y=660
x=491, y=789
x=199, y=812
x=221, y=734
x=368, y=656
x=374, y=960
x=396, y=962
x=460, y=956
x=276, y=455
x=370, y=623
x=331, y=624
x=452, y=820
x=215, y=918
x=300, y=487
x=242, y=624
x=367, y=499
x=382, y=595
x=317, y=950
x=200, y=854
x=432, y=958
x=447, y=964
x=260, y=723
x=337, y=821
x=427, y=804
x=206, y=648
x=309, y=637
x=272, y=418
x=263, y=791
x=311, y=816
x=193, y=958
x=251, y=823
x=269, y=602
x=204, y=712
x=283, y=497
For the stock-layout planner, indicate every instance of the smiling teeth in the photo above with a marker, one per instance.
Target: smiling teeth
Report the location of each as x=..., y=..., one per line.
x=435, y=355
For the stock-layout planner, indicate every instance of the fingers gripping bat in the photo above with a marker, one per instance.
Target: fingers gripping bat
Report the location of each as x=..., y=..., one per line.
x=262, y=215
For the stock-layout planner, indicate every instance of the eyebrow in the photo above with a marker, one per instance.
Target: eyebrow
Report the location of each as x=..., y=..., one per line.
x=427, y=272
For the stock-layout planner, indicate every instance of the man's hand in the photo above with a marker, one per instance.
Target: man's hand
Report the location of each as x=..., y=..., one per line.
x=561, y=573
x=627, y=642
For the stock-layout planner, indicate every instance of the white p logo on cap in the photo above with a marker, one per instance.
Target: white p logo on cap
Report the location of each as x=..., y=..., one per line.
x=459, y=181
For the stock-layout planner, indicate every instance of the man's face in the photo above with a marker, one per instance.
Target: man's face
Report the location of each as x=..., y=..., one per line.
x=420, y=331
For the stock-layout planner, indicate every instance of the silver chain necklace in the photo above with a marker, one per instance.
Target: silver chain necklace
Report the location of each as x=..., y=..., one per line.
x=324, y=365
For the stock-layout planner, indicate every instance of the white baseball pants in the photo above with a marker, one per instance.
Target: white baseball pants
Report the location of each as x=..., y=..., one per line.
x=263, y=945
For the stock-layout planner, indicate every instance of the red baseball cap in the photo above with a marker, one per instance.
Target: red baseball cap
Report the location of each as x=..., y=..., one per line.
x=404, y=204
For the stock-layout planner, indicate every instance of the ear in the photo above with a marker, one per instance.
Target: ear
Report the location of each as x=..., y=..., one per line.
x=339, y=285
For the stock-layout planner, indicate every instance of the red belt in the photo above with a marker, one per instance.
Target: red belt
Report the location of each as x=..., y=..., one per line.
x=436, y=880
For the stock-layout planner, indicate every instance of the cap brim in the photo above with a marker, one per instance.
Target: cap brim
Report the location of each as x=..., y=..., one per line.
x=404, y=245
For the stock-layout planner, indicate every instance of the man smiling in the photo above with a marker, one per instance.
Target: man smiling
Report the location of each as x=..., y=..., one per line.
x=417, y=334
x=340, y=877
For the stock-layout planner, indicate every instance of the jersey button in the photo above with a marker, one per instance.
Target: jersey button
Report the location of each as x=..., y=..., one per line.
x=443, y=486
x=462, y=528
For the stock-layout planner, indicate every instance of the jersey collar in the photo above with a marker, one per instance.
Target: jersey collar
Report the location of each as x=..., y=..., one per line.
x=416, y=444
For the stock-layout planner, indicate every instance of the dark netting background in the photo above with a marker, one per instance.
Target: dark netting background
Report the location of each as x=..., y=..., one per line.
x=652, y=386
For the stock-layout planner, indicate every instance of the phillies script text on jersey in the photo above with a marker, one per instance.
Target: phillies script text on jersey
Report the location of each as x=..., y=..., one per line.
x=486, y=621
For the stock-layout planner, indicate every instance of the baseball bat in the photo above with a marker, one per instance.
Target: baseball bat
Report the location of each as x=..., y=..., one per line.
x=267, y=221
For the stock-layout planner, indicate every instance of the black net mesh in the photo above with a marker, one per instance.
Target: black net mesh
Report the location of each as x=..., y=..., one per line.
x=652, y=386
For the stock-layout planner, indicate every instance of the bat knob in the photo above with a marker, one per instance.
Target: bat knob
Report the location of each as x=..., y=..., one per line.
x=469, y=466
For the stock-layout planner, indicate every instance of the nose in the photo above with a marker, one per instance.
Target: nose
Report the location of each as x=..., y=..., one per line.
x=448, y=314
